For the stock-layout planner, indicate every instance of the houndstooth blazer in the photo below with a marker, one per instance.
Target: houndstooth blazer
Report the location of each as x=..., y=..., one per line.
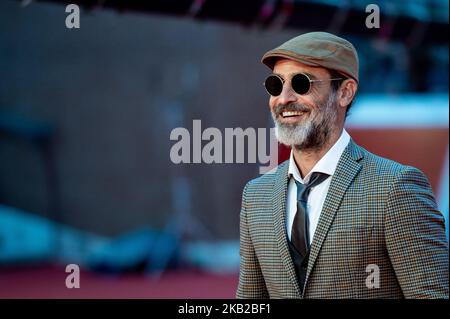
x=378, y=215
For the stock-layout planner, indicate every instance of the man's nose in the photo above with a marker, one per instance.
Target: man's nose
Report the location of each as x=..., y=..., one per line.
x=287, y=95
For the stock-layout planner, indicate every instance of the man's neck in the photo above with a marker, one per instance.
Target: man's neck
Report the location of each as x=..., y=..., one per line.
x=305, y=159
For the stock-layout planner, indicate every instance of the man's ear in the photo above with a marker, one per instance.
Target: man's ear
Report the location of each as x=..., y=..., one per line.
x=347, y=92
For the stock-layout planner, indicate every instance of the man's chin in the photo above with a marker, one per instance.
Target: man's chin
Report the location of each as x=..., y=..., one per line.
x=287, y=137
x=289, y=124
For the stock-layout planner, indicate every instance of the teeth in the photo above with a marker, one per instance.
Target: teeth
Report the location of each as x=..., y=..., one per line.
x=291, y=113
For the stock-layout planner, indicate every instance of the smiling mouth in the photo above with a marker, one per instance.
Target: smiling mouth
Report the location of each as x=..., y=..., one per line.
x=288, y=114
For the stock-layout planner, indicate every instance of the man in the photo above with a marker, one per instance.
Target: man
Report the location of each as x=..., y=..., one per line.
x=334, y=221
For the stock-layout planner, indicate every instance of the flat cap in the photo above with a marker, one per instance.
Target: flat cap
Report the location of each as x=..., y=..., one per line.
x=318, y=49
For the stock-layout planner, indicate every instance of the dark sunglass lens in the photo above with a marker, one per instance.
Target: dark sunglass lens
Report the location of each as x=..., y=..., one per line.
x=274, y=85
x=300, y=83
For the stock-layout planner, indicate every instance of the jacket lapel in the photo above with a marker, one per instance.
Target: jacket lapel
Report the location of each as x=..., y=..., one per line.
x=279, y=218
x=346, y=170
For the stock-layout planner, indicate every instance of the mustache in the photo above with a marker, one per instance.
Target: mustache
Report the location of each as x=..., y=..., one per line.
x=291, y=107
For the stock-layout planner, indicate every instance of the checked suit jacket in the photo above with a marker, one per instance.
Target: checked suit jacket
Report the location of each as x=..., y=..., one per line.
x=379, y=221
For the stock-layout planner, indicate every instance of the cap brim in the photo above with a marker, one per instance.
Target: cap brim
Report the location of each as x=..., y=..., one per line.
x=270, y=58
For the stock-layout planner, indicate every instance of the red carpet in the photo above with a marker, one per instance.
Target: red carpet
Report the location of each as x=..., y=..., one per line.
x=49, y=282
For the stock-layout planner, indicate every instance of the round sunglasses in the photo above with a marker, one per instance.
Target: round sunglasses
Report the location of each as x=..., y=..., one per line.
x=301, y=83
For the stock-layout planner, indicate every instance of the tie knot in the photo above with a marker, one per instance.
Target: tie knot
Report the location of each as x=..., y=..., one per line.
x=304, y=189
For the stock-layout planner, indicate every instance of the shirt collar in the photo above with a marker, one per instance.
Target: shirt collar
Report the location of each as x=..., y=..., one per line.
x=327, y=164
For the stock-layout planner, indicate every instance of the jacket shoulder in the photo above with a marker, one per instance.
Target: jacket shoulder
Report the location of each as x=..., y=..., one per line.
x=384, y=167
x=267, y=180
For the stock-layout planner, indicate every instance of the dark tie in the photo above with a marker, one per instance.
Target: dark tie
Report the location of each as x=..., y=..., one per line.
x=300, y=227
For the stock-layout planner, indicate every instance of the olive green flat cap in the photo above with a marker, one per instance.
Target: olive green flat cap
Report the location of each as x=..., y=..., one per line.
x=318, y=49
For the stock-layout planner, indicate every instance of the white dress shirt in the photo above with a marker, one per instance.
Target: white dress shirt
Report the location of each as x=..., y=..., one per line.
x=327, y=164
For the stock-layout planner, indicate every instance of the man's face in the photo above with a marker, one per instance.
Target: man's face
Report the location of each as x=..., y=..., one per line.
x=303, y=121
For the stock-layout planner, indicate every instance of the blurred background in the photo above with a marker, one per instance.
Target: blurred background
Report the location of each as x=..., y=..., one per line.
x=86, y=114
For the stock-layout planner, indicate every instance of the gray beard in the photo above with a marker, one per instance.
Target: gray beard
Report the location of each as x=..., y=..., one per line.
x=314, y=132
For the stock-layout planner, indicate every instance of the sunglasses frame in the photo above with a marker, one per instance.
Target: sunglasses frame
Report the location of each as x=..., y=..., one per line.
x=307, y=77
